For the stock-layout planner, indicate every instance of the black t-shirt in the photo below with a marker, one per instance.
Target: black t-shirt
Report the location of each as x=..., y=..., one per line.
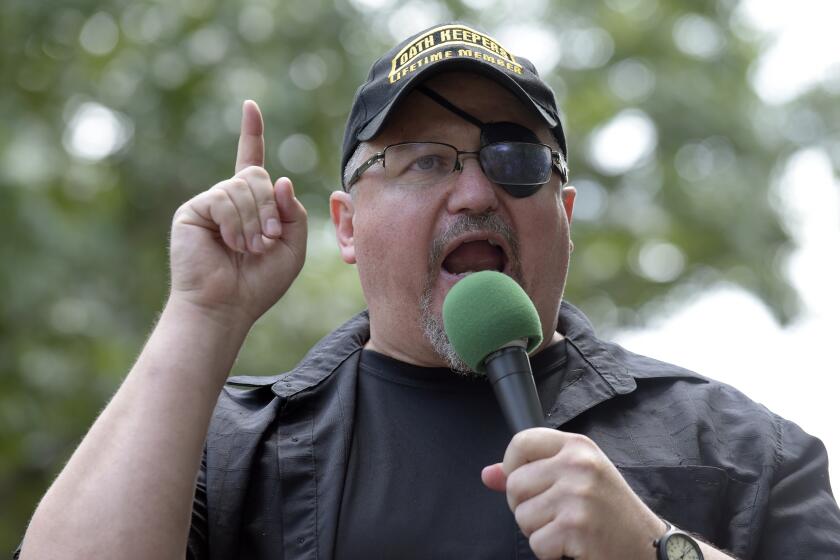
x=421, y=437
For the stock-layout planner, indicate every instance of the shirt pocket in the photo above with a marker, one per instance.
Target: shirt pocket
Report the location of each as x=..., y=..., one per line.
x=702, y=500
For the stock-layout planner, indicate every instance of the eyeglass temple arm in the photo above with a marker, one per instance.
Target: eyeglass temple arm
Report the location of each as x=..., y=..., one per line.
x=560, y=163
x=362, y=168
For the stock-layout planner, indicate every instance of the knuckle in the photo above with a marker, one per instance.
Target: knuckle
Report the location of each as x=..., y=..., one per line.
x=218, y=197
x=581, y=440
x=583, y=461
x=516, y=487
x=575, y=521
x=251, y=228
x=587, y=489
x=255, y=172
x=584, y=455
x=183, y=208
x=267, y=205
x=541, y=546
x=525, y=520
x=521, y=439
x=238, y=184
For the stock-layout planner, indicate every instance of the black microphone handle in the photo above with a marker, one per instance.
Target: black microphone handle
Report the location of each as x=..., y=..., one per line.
x=509, y=371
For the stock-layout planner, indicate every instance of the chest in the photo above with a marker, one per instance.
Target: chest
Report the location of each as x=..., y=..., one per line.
x=412, y=487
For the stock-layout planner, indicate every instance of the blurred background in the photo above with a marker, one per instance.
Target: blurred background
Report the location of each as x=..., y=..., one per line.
x=704, y=142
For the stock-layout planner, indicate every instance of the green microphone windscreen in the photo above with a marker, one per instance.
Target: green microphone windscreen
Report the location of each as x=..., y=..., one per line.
x=484, y=312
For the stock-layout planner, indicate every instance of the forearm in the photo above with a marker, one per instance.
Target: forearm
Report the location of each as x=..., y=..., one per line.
x=127, y=490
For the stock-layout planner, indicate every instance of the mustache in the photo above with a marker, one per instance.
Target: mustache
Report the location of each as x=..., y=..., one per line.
x=465, y=223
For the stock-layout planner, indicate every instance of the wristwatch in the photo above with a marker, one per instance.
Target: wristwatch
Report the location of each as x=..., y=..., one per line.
x=677, y=545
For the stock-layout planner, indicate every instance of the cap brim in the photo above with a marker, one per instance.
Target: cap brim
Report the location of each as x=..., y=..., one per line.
x=372, y=128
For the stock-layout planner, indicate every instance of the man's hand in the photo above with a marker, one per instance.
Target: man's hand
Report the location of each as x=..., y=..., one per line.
x=237, y=247
x=570, y=500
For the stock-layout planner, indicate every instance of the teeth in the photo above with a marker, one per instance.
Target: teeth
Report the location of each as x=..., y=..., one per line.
x=493, y=242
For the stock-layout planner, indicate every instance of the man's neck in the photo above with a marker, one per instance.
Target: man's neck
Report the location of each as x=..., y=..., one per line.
x=430, y=358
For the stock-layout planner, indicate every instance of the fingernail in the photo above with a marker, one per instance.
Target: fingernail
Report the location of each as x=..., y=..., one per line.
x=272, y=227
x=257, y=244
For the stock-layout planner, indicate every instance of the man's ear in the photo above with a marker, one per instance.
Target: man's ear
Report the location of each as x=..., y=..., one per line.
x=341, y=212
x=568, y=195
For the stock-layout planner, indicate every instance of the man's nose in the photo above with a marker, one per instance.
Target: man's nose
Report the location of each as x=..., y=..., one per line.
x=471, y=191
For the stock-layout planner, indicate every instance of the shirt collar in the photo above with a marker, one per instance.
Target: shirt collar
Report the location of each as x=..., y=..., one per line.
x=615, y=369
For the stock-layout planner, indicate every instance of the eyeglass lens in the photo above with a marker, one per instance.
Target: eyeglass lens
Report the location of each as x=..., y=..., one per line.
x=516, y=163
x=419, y=163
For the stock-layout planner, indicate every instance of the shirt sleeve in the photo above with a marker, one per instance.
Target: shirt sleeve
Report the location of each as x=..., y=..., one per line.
x=197, y=542
x=802, y=518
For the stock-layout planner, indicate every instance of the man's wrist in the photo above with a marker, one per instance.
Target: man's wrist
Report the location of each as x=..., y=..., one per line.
x=651, y=545
x=706, y=550
x=199, y=344
x=228, y=321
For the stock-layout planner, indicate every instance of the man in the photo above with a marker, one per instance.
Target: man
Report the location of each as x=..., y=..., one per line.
x=454, y=161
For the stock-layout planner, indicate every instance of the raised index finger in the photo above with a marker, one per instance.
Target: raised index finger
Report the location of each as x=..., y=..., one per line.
x=251, y=147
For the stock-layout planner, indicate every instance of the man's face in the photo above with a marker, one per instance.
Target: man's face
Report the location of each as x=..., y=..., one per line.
x=413, y=243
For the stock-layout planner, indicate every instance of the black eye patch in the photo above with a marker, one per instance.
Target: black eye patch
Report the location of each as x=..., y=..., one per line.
x=499, y=132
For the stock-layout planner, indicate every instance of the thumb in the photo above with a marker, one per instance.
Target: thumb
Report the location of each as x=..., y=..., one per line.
x=292, y=213
x=494, y=477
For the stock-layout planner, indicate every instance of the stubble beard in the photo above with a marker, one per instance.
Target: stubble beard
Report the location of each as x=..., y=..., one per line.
x=432, y=322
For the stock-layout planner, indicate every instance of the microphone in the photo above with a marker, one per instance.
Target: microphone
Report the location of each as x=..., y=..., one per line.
x=492, y=325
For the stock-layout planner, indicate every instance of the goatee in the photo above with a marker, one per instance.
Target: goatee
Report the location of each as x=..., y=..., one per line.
x=432, y=322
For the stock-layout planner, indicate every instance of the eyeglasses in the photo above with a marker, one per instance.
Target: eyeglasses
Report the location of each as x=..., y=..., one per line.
x=520, y=168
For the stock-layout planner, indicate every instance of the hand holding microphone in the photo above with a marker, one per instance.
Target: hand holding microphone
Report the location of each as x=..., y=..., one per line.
x=566, y=495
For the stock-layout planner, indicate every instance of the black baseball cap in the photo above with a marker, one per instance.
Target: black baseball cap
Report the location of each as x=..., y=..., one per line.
x=444, y=47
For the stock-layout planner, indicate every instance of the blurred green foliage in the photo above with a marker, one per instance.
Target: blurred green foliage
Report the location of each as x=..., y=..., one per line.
x=114, y=112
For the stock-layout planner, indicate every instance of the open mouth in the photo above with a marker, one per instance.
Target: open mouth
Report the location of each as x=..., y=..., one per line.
x=473, y=255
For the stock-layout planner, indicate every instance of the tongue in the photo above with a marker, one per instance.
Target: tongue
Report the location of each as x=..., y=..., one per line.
x=474, y=256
